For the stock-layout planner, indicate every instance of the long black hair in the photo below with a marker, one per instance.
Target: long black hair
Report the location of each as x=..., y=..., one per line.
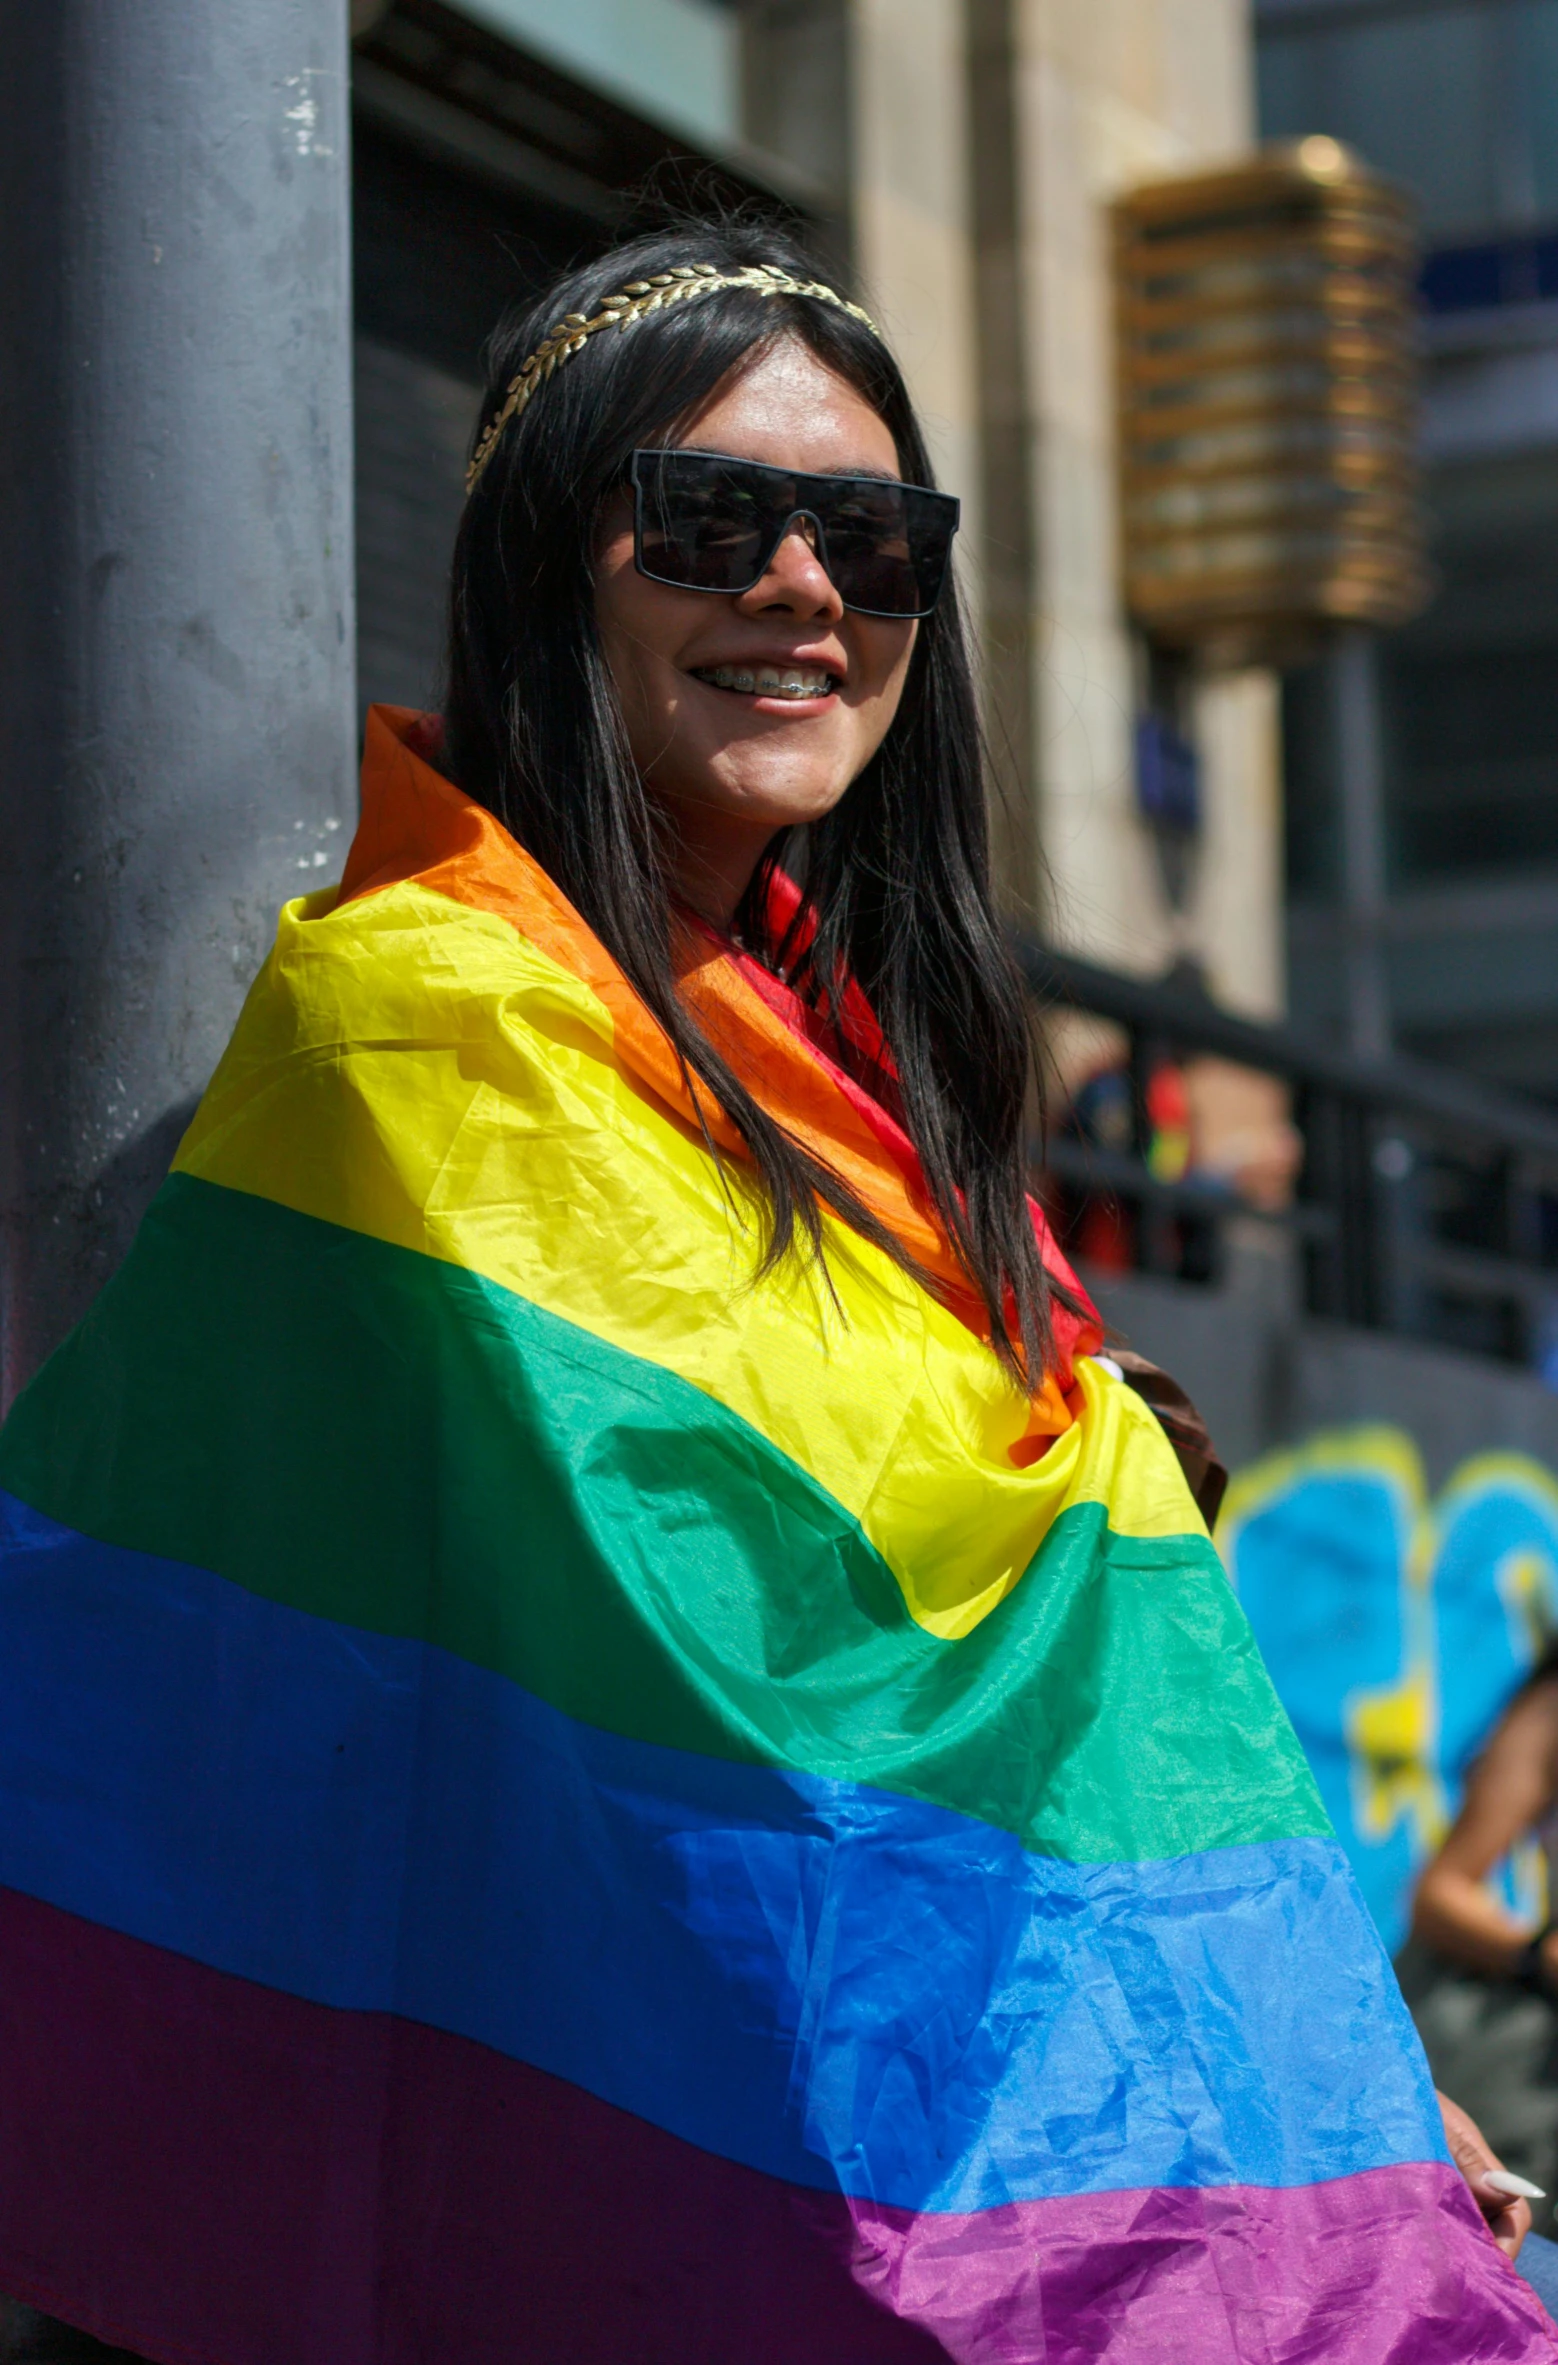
x=897, y=874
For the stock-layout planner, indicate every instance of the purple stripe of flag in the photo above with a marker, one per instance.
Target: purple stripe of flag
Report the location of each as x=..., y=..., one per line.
x=214, y=2173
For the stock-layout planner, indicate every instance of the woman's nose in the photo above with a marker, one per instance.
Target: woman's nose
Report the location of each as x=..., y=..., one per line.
x=795, y=579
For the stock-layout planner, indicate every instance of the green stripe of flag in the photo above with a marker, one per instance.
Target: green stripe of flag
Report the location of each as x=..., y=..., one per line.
x=381, y=1438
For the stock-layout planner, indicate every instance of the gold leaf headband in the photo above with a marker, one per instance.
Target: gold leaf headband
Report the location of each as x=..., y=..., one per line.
x=621, y=310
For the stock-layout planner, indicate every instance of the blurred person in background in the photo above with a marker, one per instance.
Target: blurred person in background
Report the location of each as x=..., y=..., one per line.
x=1483, y=1986
x=1205, y=1121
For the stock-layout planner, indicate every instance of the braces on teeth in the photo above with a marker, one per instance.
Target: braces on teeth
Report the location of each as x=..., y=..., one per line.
x=767, y=681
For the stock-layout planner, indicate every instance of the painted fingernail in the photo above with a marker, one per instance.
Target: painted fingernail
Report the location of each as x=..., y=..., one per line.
x=1519, y=2188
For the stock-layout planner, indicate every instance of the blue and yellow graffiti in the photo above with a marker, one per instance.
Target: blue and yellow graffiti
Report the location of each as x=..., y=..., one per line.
x=1395, y=1628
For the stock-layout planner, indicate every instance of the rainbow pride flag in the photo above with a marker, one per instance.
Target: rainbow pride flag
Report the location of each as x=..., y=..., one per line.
x=559, y=1807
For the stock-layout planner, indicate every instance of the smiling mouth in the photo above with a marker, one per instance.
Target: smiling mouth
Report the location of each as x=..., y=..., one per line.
x=769, y=681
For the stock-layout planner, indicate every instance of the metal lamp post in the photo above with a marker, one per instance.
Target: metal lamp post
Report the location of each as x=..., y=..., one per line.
x=1267, y=355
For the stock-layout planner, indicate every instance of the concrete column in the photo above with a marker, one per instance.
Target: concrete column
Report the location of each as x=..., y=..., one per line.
x=1010, y=559
x=176, y=555
x=1103, y=98
x=913, y=230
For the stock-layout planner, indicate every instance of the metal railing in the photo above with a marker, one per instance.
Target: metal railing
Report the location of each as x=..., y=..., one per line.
x=1426, y=1203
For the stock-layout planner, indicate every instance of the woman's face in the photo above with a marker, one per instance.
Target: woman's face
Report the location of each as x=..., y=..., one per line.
x=733, y=766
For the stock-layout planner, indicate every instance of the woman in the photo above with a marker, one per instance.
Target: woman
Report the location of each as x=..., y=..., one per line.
x=619, y=1745
x=1482, y=1985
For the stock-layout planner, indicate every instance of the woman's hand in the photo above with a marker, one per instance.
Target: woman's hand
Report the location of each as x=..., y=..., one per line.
x=1509, y=2219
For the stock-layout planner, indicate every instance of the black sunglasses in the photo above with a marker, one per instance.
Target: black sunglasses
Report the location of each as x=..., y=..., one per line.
x=706, y=522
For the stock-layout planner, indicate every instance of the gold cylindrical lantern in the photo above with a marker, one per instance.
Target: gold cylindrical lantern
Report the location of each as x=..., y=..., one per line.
x=1268, y=394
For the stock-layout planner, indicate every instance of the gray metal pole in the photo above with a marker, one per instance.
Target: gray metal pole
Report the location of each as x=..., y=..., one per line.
x=1359, y=762
x=176, y=614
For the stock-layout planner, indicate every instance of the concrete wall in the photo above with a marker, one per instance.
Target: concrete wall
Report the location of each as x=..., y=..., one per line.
x=1264, y=1375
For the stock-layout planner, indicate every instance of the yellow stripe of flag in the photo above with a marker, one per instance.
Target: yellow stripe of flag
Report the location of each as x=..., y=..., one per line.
x=413, y=1069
